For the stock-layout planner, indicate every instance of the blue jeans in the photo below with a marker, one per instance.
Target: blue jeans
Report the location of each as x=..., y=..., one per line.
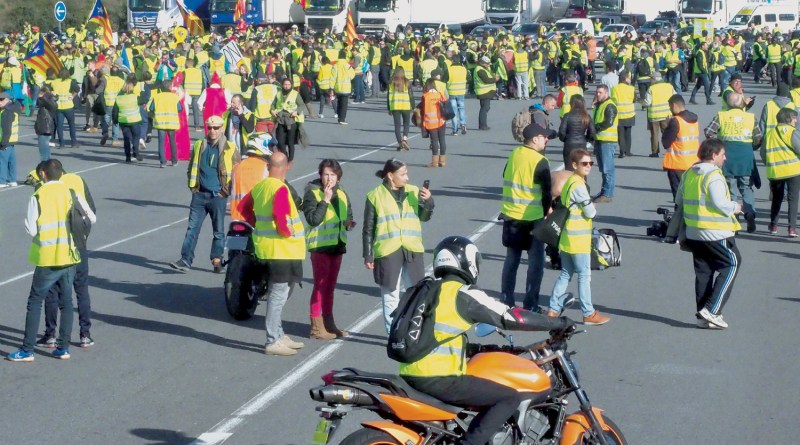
x=571, y=263
x=702, y=79
x=533, y=282
x=457, y=102
x=162, y=143
x=69, y=115
x=44, y=146
x=8, y=165
x=358, y=83
x=81, y=286
x=675, y=80
x=540, y=76
x=204, y=203
x=726, y=75
x=605, y=152
x=106, y=122
x=741, y=187
x=44, y=278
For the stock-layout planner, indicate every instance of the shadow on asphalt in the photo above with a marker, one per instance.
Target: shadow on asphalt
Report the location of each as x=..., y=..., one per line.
x=621, y=221
x=474, y=192
x=155, y=436
x=644, y=316
x=793, y=256
x=144, y=203
x=796, y=300
x=465, y=155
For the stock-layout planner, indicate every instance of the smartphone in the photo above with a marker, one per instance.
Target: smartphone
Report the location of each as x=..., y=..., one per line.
x=426, y=184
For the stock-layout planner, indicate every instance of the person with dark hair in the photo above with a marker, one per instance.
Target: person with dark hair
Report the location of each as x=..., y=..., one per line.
x=329, y=214
x=288, y=113
x=239, y=123
x=711, y=226
x=781, y=153
x=576, y=129
x=485, y=90
x=392, y=233
x=681, y=140
x=45, y=126
x=657, y=102
x=65, y=90
x=342, y=77
x=624, y=97
x=9, y=136
x=575, y=243
x=164, y=107
x=606, y=121
x=434, y=123
x=400, y=101
x=126, y=114
x=703, y=72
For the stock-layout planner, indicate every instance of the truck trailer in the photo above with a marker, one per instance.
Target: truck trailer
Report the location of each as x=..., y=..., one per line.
x=511, y=12
x=466, y=14
x=257, y=12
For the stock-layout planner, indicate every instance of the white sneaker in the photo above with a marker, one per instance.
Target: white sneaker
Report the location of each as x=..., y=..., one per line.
x=712, y=318
x=142, y=145
x=322, y=116
x=336, y=116
x=13, y=184
x=702, y=324
x=3, y=186
x=51, y=144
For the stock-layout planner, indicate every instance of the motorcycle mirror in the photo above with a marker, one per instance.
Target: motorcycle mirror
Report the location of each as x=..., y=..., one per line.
x=484, y=329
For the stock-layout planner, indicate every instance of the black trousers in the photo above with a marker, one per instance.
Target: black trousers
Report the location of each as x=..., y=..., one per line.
x=499, y=401
x=341, y=106
x=483, y=114
x=758, y=65
x=674, y=177
x=286, y=138
x=624, y=135
x=402, y=121
x=130, y=136
x=779, y=187
x=716, y=265
x=438, y=145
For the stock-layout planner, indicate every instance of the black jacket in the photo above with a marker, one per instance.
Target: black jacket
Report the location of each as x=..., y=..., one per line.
x=46, y=115
x=573, y=133
x=608, y=117
x=671, y=132
x=425, y=212
x=314, y=211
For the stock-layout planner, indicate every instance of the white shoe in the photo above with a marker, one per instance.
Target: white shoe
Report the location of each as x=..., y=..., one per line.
x=3, y=186
x=51, y=144
x=336, y=116
x=712, y=318
x=13, y=184
x=287, y=341
x=702, y=324
x=142, y=145
x=322, y=116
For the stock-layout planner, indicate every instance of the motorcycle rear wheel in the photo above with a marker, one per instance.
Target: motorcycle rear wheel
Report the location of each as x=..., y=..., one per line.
x=369, y=436
x=239, y=295
x=613, y=435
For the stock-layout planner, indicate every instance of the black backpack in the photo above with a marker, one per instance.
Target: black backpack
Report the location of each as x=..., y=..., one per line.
x=643, y=68
x=411, y=335
x=79, y=223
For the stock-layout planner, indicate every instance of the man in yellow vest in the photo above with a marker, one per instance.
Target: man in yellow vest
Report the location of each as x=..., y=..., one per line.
x=624, y=95
x=210, y=170
x=606, y=121
x=681, y=140
x=110, y=86
x=711, y=226
x=9, y=136
x=443, y=372
x=54, y=254
x=485, y=90
x=280, y=245
x=65, y=89
x=343, y=75
x=657, y=103
x=741, y=134
x=457, y=89
x=526, y=200
x=774, y=52
x=164, y=106
x=781, y=153
x=522, y=60
x=240, y=122
x=193, y=86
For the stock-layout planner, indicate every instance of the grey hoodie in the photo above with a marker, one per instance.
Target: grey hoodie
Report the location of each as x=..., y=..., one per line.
x=718, y=194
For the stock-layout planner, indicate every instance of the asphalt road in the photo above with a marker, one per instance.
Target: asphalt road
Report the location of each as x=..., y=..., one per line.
x=171, y=367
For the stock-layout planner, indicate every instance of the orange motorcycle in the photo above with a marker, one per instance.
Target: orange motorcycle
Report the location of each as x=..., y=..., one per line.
x=414, y=418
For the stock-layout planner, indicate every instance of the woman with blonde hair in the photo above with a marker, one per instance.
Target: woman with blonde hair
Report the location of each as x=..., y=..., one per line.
x=399, y=101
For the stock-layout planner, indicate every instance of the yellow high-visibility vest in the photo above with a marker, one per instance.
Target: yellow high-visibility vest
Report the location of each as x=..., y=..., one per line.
x=457, y=80
x=61, y=88
x=659, y=106
x=128, y=109
x=736, y=125
x=399, y=100
x=696, y=211
x=166, y=111
x=114, y=85
x=396, y=228
x=269, y=245
x=194, y=161
x=569, y=91
x=522, y=198
x=623, y=96
x=265, y=96
x=193, y=81
x=53, y=245
x=576, y=237
x=332, y=230
x=481, y=87
x=609, y=134
x=781, y=161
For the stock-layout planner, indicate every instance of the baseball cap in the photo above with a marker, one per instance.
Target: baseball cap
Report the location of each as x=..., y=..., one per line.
x=214, y=121
x=533, y=130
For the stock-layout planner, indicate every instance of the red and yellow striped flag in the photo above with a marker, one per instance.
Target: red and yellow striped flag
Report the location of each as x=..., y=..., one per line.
x=240, y=10
x=191, y=21
x=99, y=15
x=351, y=27
x=302, y=3
x=41, y=57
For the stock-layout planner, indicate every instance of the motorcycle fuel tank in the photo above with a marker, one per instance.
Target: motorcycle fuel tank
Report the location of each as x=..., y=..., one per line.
x=509, y=370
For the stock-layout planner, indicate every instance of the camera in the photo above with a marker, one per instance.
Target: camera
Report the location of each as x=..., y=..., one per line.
x=659, y=228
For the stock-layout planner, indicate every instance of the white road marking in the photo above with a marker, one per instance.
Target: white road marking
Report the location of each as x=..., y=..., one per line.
x=223, y=430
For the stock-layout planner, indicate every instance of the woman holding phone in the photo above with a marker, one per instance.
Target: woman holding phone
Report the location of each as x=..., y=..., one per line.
x=330, y=216
x=392, y=233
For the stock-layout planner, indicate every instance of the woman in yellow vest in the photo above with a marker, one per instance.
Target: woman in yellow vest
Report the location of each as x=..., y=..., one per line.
x=781, y=152
x=164, y=106
x=127, y=115
x=393, y=248
x=399, y=102
x=193, y=86
x=329, y=215
x=575, y=243
x=288, y=113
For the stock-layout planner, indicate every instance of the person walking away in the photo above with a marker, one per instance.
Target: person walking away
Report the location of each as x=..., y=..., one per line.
x=774, y=66
x=9, y=136
x=288, y=113
x=781, y=153
x=193, y=86
x=657, y=102
x=164, y=106
x=443, y=372
x=325, y=87
x=457, y=90
x=434, y=123
x=329, y=215
x=80, y=284
x=361, y=67
x=209, y=172
x=65, y=90
x=45, y=125
x=399, y=102
x=702, y=72
x=606, y=123
x=250, y=171
x=575, y=243
x=526, y=199
x=392, y=233
x=113, y=85
x=738, y=130
x=280, y=246
x=54, y=255
x=485, y=90
x=571, y=88
x=342, y=85
x=645, y=68
x=769, y=114
x=711, y=226
x=624, y=97
x=681, y=140
x=126, y=114
x=576, y=129
x=522, y=58
x=261, y=101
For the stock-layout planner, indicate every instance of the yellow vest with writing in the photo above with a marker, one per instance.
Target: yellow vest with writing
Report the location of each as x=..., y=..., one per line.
x=736, y=125
x=269, y=245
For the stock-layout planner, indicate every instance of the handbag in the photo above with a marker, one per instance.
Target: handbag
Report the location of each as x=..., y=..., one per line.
x=99, y=106
x=549, y=229
x=446, y=110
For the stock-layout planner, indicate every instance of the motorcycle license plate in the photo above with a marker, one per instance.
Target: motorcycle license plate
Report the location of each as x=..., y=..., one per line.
x=322, y=433
x=236, y=242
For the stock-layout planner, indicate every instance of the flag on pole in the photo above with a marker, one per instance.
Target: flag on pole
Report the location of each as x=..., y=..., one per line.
x=99, y=16
x=191, y=21
x=351, y=27
x=41, y=57
x=126, y=61
x=239, y=12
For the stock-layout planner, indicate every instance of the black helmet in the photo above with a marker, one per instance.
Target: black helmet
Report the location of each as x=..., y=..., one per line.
x=457, y=255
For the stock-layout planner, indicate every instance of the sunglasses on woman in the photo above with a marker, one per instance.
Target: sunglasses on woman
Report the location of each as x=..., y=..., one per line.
x=587, y=163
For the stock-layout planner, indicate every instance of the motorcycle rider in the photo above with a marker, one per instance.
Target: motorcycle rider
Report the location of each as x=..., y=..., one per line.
x=442, y=373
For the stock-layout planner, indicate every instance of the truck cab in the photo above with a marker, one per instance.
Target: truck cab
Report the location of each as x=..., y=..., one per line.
x=330, y=14
x=379, y=16
x=146, y=15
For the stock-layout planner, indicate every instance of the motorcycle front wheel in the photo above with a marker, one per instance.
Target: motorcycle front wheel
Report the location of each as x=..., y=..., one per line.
x=613, y=435
x=369, y=436
x=239, y=294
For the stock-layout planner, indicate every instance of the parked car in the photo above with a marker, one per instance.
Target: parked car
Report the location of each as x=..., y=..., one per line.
x=493, y=30
x=618, y=28
x=526, y=29
x=655, y=26
x=575, y=25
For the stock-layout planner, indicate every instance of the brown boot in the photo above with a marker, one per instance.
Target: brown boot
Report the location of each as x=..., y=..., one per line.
x=434, y=162
x=442, y=160
x=330, y=326
x=318, y=330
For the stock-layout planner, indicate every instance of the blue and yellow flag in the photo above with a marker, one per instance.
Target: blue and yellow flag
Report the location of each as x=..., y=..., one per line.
x=99, y=16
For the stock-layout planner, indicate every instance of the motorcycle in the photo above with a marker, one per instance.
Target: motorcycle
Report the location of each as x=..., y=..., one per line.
x=243, y=284
x=414, y=418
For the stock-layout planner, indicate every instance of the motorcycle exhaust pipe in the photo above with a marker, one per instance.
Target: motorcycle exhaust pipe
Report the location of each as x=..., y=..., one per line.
x=341, y=395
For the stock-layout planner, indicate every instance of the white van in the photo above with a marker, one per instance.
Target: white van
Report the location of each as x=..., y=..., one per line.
x=572, y=25
x=784, y=15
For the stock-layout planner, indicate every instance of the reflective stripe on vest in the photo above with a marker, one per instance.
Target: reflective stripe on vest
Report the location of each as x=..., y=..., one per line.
x=696, y=212
x=193, y=81
x=577, y=234
x=128, y=109
x=342, y=78
x=725, y=106
x=781, y=161
x=332, y=229
x=772, y=109
x=609, y=134
x=166, y=111
x=736, y=125
x=264, y=99
x=521, y=63
x=61, y=88
x=623, y=96
x=683, y=152
x=659, y=107
x=774, y=53
x=194, y=160
x=457, y=81
x=325, y=78
x=52, y=246
x=447, y=359
x=569, y=91
x=113, y=86
x=522, y=198
x=408, y=67
x=269, y=245
x=396, y=228
x=399, y=100
x=480, y=87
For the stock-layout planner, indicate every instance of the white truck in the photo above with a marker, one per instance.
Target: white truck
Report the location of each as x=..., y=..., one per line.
x=378, y=16
x=780, y=14
x=720, y=12
x=326, y=14
x=430, y=14
x=146, y=15
x=511, y=12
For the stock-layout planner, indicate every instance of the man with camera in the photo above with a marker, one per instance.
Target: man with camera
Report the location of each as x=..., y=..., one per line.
x=710, y=218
